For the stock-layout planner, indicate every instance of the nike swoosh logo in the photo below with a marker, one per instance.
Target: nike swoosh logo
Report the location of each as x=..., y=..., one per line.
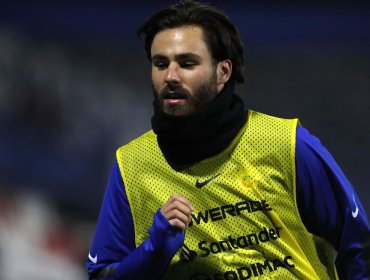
x=200, y=185
x=95, y=259
x=354, y=213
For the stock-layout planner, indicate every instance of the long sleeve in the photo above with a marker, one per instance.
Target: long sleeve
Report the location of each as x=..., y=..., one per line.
x=113, y=253
x=330, y=207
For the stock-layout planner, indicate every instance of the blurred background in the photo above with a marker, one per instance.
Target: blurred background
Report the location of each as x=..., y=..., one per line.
x=75, y=85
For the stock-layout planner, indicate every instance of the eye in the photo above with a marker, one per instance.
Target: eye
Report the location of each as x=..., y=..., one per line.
x=187, y=64
x=160, y=64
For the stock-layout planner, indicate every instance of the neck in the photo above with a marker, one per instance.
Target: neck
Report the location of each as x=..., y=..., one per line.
x=186, y=140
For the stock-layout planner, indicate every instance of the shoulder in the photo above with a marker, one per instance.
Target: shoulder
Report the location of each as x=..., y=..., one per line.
x=142, y=140
x=266, y=117
x=268, y=124
x=309, y=147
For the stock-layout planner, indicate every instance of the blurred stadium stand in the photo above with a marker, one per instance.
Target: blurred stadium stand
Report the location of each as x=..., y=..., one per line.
x=75, y=85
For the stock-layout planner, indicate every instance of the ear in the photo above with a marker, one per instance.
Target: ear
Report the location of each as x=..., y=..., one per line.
x=224, y=70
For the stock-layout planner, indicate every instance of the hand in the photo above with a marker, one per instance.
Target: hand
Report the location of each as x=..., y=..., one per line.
x=177, y=211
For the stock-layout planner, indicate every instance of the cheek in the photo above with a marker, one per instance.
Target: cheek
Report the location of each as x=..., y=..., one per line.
x=156, y=79
x=195, y=77
x=199, y=78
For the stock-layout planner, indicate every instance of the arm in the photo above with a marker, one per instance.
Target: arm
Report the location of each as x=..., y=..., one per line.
x=330, y=207
x=113, y=253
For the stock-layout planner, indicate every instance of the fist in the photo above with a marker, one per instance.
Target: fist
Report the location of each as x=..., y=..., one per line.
x=177, y=211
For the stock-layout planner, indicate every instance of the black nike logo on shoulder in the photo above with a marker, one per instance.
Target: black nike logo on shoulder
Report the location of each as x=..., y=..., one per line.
x=200, y=185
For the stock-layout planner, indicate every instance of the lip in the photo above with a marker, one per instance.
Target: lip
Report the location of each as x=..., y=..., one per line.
x=174, y=101
x=174, y=95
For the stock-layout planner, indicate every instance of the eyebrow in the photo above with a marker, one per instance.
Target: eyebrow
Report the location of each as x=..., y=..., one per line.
x=180, y=56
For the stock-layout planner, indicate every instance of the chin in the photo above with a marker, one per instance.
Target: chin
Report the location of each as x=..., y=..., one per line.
x=177, y=111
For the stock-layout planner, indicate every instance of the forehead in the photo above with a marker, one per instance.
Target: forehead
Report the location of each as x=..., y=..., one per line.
x=187, y=39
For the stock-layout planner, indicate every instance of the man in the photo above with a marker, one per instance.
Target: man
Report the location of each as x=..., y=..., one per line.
x=215, y=191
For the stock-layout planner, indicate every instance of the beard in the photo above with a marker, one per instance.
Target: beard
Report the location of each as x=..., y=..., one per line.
x=193, y=102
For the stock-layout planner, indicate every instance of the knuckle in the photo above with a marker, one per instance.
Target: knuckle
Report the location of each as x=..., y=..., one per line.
x=177, y=223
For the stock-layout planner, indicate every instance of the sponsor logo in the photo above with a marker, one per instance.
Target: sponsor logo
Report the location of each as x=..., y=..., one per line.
x=355, y=212
x=200, y=185
x=225, y=211
x=187, y=255
x=95, y=259
x=256, y=269
x=233, y=243
x=230, y=243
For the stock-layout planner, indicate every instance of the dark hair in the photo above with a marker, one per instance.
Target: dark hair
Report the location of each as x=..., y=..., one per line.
x=221, y=34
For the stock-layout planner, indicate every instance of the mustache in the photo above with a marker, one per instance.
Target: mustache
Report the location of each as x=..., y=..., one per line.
x=178, y=92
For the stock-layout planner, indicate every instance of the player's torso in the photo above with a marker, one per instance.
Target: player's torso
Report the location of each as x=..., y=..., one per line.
x=245, y=224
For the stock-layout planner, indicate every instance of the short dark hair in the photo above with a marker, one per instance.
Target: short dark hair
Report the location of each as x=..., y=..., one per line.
x=221, y=34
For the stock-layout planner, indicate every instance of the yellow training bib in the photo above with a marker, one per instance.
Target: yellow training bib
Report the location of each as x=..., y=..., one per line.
x=246, y=222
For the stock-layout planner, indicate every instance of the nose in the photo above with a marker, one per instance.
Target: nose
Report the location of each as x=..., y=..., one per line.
x=172, y=73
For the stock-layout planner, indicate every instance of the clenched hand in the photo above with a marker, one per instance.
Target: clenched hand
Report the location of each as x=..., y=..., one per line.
x=178, y=210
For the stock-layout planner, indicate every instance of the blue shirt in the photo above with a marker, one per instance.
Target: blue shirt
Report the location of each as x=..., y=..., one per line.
x=327, y=202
